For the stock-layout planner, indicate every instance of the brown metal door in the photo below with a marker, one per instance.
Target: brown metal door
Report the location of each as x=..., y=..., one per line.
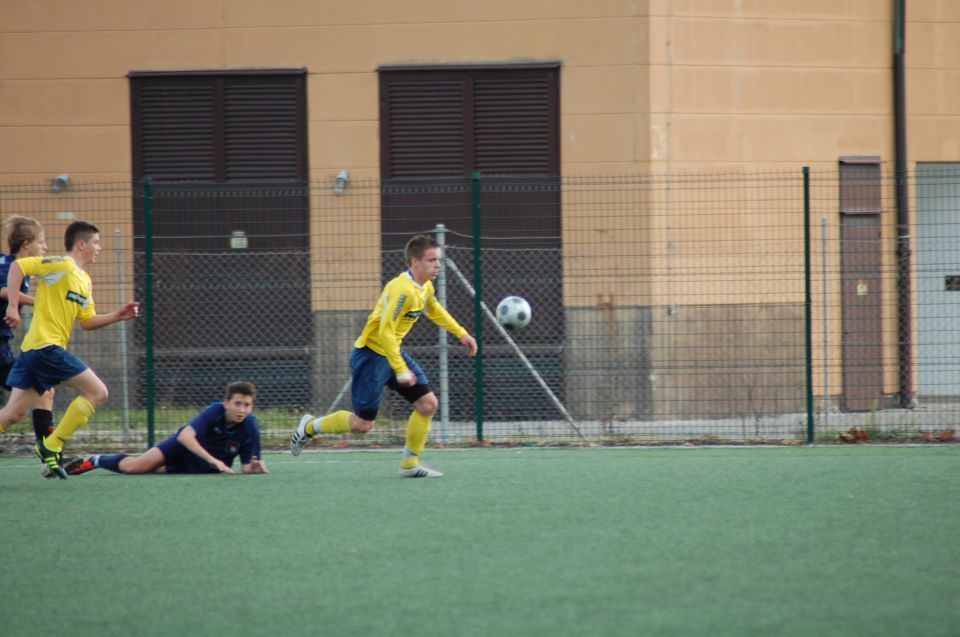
x=862, y=328
x=230, y=221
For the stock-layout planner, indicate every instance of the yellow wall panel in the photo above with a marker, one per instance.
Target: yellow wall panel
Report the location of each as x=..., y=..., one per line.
x=787, y=42
x=344, y=145
x=934, y=138
x=603, y=89
x=110, y=54
x=343, y=97
x=933, y=11
x=364, y=48
x=933, y=92
x=597, y=138
x=74, y=149
x=108, y=15
x=257, y=13
x=933, y=45
x=769, y=138
x=781, y=90
x=64, y=102
x=753, y=9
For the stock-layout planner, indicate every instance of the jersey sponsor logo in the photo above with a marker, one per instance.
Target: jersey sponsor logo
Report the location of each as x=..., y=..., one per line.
x=414, y=314
x=77, y=298
x=53, y=259
x=400, y=303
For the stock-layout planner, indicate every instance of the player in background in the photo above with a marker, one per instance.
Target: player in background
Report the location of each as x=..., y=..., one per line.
x=208, y=444
x=377, y=360
x=25, y=238
x=64, y=296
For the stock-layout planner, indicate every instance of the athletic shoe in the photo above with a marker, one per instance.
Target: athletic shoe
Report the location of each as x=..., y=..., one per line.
x=51, y=459
x=77, y=465
x=300, y=437
x=419, y=471
x=66, y=463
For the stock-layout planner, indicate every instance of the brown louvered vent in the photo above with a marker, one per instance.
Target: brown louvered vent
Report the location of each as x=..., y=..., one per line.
x=262, y=128
x=450, y=122
x=177, y=130
x=426, y=124
x=237, y=126
x=512, y=125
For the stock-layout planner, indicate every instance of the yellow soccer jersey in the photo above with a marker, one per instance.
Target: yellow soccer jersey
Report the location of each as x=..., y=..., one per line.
x=400, y=305
x=65, y=294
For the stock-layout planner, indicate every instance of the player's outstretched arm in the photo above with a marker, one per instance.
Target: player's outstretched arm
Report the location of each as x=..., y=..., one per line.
x=188, y=438
x=128, y=311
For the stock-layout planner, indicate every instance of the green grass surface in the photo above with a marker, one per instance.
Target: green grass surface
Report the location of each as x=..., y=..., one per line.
x=767, y=541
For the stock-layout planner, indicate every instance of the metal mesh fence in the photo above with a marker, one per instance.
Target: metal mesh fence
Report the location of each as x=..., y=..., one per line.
x=669, y=308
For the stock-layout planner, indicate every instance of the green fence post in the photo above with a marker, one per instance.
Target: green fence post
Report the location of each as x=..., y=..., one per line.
x=477, y=305
x=807, y=305
x=148, y=303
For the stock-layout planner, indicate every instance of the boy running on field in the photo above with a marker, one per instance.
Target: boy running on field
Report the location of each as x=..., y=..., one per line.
x=377, y=360
x=64, y=295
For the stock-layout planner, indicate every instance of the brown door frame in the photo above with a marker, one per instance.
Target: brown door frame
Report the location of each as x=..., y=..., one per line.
x=861, y=276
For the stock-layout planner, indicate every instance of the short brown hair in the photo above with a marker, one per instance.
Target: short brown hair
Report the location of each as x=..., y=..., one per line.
x=418, y=245
x=20, y=230
x=241, y=387
x=78, y=231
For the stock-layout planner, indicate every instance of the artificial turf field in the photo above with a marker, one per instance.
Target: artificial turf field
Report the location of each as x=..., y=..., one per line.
x=590, y=542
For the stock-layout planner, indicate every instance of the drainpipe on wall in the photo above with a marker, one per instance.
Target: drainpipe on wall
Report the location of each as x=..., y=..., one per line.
x=904, y=313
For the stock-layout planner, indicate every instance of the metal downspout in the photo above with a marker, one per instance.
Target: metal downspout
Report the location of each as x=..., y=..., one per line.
x=904, y=308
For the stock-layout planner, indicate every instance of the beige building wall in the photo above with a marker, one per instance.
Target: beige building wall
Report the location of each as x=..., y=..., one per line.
x=693, y=84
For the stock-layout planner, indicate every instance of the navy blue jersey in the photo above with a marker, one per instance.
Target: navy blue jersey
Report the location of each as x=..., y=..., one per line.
x=6, y=334
x=222, y=442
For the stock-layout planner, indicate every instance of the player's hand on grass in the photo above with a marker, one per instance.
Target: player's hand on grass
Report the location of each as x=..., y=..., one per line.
x=220, y=466
x=470, y=343
x=258, y=466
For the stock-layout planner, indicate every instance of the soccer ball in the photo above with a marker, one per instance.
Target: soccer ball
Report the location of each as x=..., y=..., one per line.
x=514, y=313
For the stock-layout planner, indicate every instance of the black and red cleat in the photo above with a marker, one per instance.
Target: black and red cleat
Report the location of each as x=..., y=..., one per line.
x=76, y=466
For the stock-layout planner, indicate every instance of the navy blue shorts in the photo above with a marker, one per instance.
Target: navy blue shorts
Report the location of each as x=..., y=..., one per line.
x=179, y=459
x=44, y=368
x=372, y=372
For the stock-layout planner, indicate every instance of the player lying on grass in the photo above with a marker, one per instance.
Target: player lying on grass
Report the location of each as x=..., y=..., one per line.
x=208, y=444
x=377, y=360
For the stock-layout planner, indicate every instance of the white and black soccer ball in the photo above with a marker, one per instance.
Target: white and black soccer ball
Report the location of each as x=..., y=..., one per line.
x=514, y=313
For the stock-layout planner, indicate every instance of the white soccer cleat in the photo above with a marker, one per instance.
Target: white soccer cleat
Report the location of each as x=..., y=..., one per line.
x=419, y=471
x=300, y=436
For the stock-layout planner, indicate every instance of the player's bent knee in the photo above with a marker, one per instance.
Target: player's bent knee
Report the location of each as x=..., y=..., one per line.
x=98, y=398
x=427, y=405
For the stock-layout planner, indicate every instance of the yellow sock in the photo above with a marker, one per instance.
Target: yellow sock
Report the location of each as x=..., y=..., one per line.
x=418, y=428
x=78, y=413
x=336, y=423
